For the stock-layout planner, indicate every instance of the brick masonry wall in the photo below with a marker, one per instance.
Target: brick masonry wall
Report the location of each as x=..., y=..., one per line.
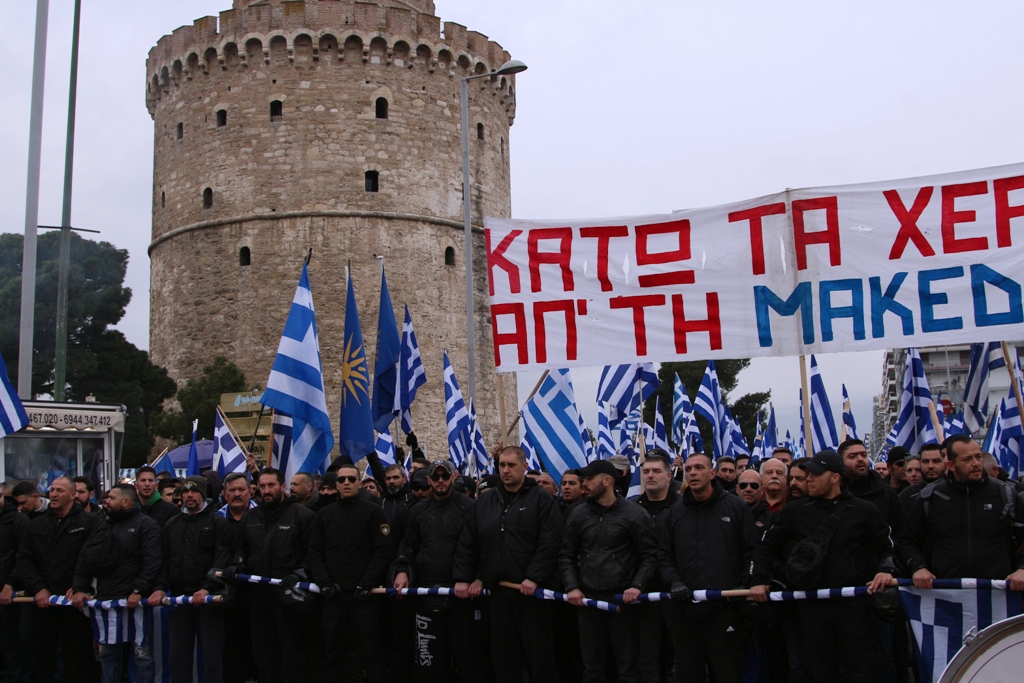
x=280, y=187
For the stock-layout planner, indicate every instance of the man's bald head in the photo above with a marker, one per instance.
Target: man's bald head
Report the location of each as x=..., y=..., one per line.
x=748, y=487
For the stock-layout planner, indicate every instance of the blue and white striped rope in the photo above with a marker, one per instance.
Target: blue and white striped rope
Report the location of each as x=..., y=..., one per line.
x=436, y=590
x=267, y=581
x=63, y=601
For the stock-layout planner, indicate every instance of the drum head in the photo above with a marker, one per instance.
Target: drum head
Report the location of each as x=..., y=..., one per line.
x=995, y=656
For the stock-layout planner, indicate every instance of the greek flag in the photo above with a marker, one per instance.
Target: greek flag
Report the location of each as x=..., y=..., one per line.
x=758, y=451
x=386, y=396
x=553, y=425
x=1007, y=449
x=457, y=415
x=956, y=425
x=411, y=374
x=296, y=385
x=605, y=445
x=710, y=406
x=626, y=442
x=770, y=438
x=823, y=424
x=532, y=463
x=117, y=625
x=682, y=413
x=801, y=439
x=588, y=445
x=12, y=413
x=984, y=359
x=635, y=482
x=385, y=448
x=660, y=435
x=849, y=424
x=480, y=463
x=228, y=454
x=737, y=442
x=914, y=427
x=619, y=388
x=944, y=619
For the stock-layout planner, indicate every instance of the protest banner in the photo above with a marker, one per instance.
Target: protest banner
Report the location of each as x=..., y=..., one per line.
x=912, y=262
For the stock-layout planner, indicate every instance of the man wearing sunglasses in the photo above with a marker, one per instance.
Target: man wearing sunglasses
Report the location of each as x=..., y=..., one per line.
x=349, y=551
x=448, y=631
x=748, y=488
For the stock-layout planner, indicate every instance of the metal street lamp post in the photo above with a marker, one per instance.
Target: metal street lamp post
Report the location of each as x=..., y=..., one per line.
x=508, y=68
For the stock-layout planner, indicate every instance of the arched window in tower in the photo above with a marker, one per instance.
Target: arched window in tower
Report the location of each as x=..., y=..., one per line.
x=371, y=183
x=207, y=198
x=449, y=256
x=222, y=118
x=479, y=131
x=276, y=111
x=181, y=130
x=244, y=256
x=382, y=108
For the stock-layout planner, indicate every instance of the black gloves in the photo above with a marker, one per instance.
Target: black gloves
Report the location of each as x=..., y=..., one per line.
x=331, y=590
x=362, y=593
x=680, y=592
x=228, y=573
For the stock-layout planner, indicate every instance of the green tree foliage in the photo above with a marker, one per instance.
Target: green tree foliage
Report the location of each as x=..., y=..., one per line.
x=199, y=399
x=744, y=408
x=101, y=361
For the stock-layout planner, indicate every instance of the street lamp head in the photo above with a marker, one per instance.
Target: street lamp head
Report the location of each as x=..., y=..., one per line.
x=513, y=66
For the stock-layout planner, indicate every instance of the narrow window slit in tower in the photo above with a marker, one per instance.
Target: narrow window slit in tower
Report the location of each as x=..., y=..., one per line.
x=371, y=181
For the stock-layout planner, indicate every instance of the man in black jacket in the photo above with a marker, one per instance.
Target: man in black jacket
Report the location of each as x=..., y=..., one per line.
x=858, y=552
x=152, y=502
x=448, y=636
x=197, y=544
x=966, y=525
x=706, y=543
x=608, y=548
x=15, y=620
x=349, y=552
x=513, y=534
x=657, y=656
x=273, y=544
x=866, y=484
x=239, y=665
x=124, y=555
x=46, y=567
x=933, y=467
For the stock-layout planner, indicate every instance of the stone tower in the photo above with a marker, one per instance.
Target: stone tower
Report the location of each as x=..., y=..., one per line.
x=284, y=125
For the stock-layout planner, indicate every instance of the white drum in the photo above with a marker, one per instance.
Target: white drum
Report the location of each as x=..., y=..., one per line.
x=996, y=655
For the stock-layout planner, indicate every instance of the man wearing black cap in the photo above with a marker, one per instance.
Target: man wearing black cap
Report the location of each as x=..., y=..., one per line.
x=349, y=551
x=196, y=542
x=854, y=541
x=608, y=548
x=897, y=462
x=419, y=485
x=448, y=631
x=513, y=534
x=706, y=542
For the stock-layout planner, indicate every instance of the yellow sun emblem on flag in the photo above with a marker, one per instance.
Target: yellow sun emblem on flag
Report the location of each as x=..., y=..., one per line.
x=354, y=374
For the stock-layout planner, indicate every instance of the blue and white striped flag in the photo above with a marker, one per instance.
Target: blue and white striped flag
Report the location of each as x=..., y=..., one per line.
x=553, y=425
x=710, y=406
x=823, y=423
x=737, y=442
x=118, y=625
x=228, y=455
x=605, y=445
x=914, y=428
x=984, y=359
x=944, y=620
x=411, y=375
x=849, y=424
x=660, y=434
x=296, y=386
x=801, y=438
x=956, y=425
x=532, y=463
x=456, y=417
x=12, y=413
x=385, y=448
x=1007, y=449
x=757, y=453
x=994, y=435
x=481, y=463
x=625, y=387
x=770, y=438
x=588, y=445
x=681, y=409
x=626, y=438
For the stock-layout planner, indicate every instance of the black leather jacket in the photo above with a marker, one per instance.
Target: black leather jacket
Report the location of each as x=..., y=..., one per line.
x=608, y=549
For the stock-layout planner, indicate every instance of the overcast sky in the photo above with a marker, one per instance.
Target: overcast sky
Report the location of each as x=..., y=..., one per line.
x=627, y=108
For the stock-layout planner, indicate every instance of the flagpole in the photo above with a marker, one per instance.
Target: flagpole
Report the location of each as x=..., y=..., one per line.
x=939, y=433
x=519, y=414
x=808, y=441
x=501, y=408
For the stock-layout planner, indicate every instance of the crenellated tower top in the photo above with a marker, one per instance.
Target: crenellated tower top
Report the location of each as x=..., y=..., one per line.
x=409, y=31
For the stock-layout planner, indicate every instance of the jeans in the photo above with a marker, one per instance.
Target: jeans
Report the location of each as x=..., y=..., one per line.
x=608, y=633
x=142, y=655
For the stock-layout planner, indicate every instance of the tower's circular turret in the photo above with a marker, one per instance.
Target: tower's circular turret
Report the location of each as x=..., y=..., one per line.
x=284, y=125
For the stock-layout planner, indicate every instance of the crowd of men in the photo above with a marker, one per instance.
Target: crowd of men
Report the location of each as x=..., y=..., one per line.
x=831, y=520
